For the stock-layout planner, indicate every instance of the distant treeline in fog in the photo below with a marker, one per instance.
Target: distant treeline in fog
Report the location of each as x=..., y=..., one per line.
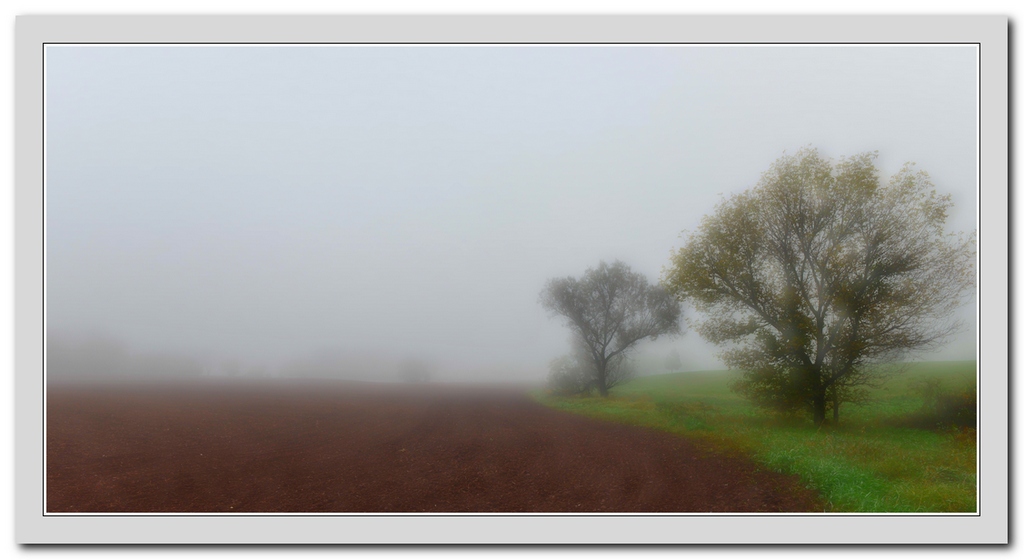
x=91, y=358
x=94, y=357
x=100, y=358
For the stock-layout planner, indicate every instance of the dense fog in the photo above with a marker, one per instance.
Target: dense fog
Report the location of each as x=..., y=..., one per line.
x=393, y=212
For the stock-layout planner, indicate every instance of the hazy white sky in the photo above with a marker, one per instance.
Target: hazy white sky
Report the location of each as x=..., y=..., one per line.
x=269, y=204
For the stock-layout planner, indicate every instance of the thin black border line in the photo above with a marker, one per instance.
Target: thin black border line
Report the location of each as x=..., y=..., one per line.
x=42, y=144
x=559, y=43
x=510, y=514
x=977, y=308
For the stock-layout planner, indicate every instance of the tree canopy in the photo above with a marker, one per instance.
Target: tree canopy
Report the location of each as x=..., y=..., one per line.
x=610, y=309
x=821, y=271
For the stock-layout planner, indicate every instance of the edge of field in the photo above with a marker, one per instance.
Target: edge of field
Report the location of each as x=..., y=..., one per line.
x=895, y=453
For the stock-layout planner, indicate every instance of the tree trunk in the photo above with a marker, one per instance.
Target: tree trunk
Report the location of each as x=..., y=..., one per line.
x=819, y=394
x=819, y=410
x=602, y=382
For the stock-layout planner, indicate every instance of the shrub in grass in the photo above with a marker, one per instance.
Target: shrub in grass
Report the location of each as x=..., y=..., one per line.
x=957, y=409
x=943, y=408
x=569, y=377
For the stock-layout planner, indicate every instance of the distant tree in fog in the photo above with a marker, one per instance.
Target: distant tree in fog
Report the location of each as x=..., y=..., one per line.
x=85, y=358
x=415, y=371
x=673, y=362
x=610, y=309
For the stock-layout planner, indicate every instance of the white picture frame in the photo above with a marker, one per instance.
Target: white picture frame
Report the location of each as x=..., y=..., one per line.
x=989, y=525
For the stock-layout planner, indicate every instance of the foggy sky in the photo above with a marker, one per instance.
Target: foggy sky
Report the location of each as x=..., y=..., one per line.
x=271, y=206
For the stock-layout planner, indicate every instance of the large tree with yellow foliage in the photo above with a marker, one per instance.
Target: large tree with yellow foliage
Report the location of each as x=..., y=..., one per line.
x=819, y=273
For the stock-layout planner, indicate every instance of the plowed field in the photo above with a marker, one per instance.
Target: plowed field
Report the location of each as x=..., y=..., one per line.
x=337, y=447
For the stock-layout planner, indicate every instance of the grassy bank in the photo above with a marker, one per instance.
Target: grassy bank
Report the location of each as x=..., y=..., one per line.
x=893, y=454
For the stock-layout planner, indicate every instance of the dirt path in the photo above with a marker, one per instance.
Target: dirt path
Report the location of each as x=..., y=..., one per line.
x=348, y=448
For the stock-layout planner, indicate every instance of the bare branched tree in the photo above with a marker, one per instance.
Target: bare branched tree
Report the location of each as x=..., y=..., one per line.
x=820, y=273
x=610, y=309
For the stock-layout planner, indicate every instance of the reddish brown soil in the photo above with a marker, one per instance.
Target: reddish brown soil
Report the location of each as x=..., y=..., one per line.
x=347, y=448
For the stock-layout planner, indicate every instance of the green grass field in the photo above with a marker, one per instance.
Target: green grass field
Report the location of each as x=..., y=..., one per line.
x=889, y=455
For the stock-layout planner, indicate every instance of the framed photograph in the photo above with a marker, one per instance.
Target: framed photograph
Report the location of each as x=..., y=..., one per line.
x=512, y=279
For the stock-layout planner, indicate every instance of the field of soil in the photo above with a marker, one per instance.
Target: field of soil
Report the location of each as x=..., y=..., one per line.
x=337, y=447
